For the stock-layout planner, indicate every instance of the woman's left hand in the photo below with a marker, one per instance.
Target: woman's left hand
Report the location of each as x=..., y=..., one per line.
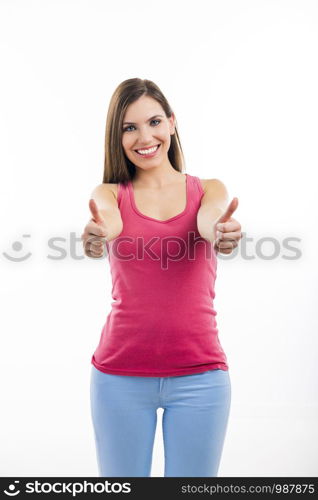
x=228, y=237
x=228, y=230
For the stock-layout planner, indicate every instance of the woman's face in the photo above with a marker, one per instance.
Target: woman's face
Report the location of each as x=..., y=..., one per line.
x=145, y=125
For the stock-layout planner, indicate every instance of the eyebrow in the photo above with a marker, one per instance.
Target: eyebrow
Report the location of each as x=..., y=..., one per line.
x=132, y=123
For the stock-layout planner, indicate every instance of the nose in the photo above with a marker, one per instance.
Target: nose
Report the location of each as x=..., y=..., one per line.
x=145, y=137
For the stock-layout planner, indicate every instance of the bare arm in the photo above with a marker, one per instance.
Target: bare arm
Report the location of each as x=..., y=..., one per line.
x=213, y=204
x=105, y=224
x=107, y=205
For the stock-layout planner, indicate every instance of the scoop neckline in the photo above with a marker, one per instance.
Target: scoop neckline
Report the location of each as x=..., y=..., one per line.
x=134, y=206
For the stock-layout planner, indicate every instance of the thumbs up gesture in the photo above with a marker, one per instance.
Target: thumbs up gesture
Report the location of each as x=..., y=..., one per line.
x=227, y=230
x=95, y=233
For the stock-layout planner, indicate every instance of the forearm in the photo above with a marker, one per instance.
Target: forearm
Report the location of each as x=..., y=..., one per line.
x=113, y=223
x=207, y=218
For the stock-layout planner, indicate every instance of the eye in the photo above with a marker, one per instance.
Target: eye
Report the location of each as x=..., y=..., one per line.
x=129, y=126
x=124, y=130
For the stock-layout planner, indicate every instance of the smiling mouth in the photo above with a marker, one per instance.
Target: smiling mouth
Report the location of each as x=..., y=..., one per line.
x=144, y=154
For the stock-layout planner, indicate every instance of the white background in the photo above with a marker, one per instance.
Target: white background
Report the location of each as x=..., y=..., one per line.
x=242, y=79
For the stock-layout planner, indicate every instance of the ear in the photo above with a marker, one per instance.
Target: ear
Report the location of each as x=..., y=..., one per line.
x=172, y=124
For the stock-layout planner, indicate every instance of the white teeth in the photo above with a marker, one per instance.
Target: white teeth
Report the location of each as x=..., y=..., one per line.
x=147, y=151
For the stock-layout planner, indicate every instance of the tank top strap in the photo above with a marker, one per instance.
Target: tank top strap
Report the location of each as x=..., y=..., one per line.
x=197, y=185
x=119, y=192
x=122, y=193
x=195, y=192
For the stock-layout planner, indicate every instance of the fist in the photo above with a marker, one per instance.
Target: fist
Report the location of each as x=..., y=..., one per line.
x=95, y=233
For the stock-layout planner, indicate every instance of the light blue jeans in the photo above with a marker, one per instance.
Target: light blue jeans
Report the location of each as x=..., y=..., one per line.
x=194, y=422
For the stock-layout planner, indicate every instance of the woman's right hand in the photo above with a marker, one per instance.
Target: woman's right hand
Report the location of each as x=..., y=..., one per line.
x=95, y=233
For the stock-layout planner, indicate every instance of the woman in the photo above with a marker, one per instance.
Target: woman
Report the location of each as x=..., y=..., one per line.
x=159, y=347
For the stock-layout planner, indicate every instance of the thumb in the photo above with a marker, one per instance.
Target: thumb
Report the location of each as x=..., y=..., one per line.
x=229, y=211
x=95, y=212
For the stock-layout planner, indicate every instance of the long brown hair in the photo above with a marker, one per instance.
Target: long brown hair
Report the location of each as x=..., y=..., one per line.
x=117, y=167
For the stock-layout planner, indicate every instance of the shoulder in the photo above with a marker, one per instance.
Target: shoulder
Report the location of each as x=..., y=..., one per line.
x=107, y=189
x=212, y=185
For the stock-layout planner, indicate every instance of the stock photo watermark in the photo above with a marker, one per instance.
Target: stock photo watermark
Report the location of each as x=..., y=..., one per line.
x=162, y=249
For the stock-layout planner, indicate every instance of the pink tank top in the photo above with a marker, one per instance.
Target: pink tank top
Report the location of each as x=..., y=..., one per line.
x=162, y=320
